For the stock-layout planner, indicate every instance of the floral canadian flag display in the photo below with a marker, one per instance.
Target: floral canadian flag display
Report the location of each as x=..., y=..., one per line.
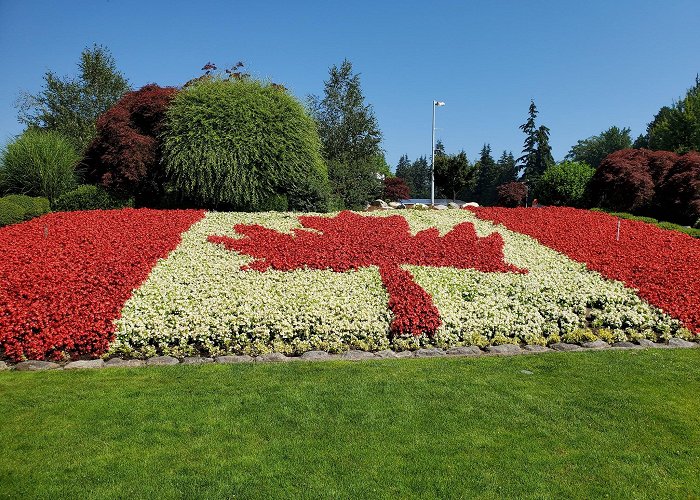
x=184, y=282
x=349, y=241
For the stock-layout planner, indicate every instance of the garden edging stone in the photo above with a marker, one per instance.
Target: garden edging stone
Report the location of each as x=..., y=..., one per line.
x=162, y=361
x=91, y=364
x=34, y=366
x=352, y=355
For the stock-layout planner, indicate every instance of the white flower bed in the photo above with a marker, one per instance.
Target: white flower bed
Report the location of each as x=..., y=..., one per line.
x=198, y=299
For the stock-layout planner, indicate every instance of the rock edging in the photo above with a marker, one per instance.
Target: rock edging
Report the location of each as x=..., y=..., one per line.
x=352, y=355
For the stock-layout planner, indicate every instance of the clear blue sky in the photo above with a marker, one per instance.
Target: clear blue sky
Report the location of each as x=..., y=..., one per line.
x=587, y=64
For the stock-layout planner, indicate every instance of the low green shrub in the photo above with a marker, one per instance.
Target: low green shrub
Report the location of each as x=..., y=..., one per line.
x=695, y=233
x=690, y=231
x=89, y=197
x=10, y=213
x=32, y=206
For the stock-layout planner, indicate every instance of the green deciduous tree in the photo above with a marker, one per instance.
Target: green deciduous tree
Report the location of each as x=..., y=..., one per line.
x=451, y=173
x=677, y=128
x=565, y=184
x=71, y=105
x=350, y=137
x=592, y=150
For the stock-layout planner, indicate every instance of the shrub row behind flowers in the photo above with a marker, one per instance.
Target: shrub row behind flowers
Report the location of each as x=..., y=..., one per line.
x=207, y=299
x=66, y=276
x=663, y=265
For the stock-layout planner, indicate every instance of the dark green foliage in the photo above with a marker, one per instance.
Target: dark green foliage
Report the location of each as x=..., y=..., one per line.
x=416, y=175
x=677, y=128
x=451, y=172
x=350, y=137
x=565, y=184
x=507, y=169
x=10, y=213
x=71, y=105
x=592, y=150
x=39, y=163
x=537, y=153
x=89, y=197
x=235, y=143
x=487, y=177
x=32, y=206
x=275, y=203
x=355, y=182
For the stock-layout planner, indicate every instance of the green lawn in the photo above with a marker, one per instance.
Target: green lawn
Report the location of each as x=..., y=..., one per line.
x=592, y=424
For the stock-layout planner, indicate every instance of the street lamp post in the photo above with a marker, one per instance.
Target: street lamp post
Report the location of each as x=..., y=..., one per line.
x=432, y=157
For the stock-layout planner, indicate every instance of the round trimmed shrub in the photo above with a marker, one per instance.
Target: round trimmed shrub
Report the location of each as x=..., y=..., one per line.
x=32, y=206
x=89, y=197
x=125, y=156
x=565, y=184
x=235, y=143
x=10, y=213
x=40, y=163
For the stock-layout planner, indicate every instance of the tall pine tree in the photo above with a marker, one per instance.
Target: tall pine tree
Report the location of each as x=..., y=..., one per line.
x=487, y=177
x=507, y=169
x=537, y=153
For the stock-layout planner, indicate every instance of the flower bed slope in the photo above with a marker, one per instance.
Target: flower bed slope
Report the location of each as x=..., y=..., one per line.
x=66, y=276
x=207, y=298
x=663, y=265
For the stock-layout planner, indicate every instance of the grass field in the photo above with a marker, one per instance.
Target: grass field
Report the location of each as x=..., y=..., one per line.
x=620, y=424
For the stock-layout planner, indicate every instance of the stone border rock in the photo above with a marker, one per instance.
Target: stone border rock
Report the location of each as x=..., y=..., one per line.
x=352, y=355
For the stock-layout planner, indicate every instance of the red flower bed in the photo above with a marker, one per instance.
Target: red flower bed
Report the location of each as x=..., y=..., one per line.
x=349, y=241
x=66, y=276
x=663, y=265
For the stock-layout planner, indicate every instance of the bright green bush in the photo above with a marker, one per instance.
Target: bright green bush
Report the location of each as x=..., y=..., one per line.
x=235, y=143
x=88, y=197
x=565, y=184
x=39, y=163
x=32, y=206
x=10, y=213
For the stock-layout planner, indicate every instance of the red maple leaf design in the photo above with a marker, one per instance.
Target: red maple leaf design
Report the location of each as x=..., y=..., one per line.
x=349, y=241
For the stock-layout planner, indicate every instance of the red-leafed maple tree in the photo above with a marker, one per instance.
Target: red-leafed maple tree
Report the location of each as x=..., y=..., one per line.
x=349, y=241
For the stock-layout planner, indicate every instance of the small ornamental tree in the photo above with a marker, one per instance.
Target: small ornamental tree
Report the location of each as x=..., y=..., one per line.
x=237, y=143
x=623, y=182
x=565, y=184
x=512, y=194
x=679, y=195
x=395, y=189
x=125, y=156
